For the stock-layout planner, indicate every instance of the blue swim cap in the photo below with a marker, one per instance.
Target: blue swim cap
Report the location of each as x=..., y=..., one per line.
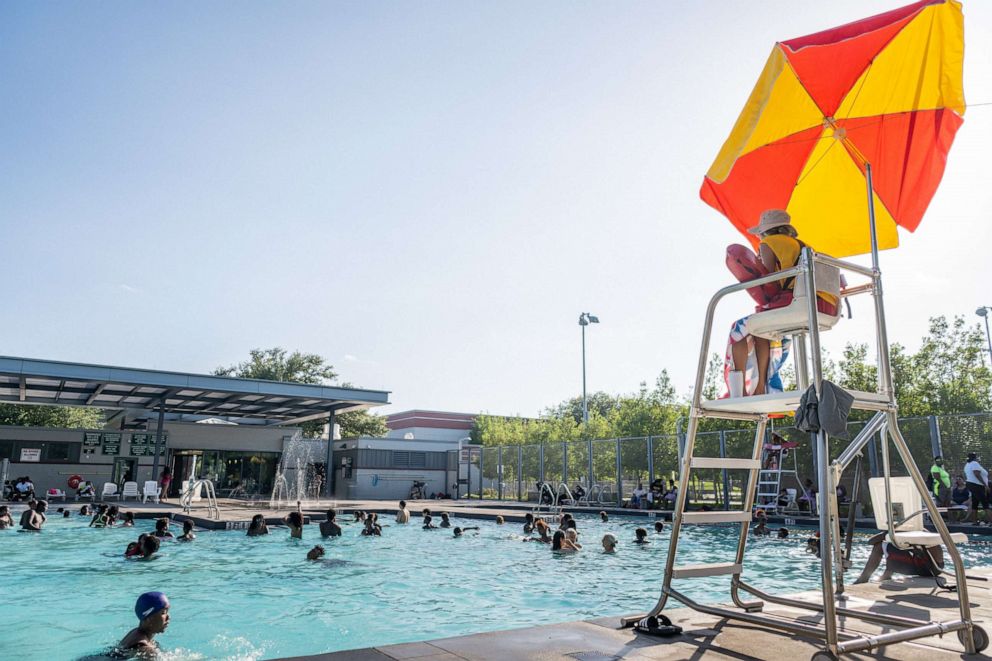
x=150, y=603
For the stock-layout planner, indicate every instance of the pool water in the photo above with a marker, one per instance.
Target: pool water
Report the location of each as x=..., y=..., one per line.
x=68, y=592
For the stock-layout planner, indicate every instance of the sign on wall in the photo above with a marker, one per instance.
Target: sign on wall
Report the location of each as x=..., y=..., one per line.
x=112, y=444
x=30, y=454
x=143, y=445
x=91, y=439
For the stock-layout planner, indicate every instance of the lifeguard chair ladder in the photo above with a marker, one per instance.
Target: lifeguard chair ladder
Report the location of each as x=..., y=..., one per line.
x=757, y=409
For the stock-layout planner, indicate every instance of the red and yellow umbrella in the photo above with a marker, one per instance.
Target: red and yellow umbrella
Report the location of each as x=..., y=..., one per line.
x=886, y=90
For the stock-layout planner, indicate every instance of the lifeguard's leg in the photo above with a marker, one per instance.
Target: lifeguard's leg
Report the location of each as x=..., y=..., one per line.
x=738, y=352
x=762, y=352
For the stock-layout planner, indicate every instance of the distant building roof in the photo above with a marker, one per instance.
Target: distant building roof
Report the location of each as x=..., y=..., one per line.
x=56, y=383
x=430, y=419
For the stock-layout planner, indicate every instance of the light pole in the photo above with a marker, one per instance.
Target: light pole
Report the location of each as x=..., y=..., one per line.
x=585, y=319
x=984, y=312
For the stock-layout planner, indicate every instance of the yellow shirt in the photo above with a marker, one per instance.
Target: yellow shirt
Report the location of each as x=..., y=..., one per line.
x=787, y=250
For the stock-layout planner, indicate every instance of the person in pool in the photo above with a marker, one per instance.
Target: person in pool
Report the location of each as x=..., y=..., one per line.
x=371, y=529
x=66, y=514
x=330, y=527
x=541, y=528
x=144, y=548
x=84, y=510
x=528, y=523
x=572, y=535
x=295, y=522
x=458, y=531
x=34, y=518
x=162, y=529
x=603, y=517
x=500, y=521
x=560, y=543
x=188, y=534
x=659, y=527
x=427, y=522
x=641, y=536
x=359, y=516
x=403, y=514
x=100, y=518
x=445, y=522
x=783, y=533
x=257, y=526
x=6, y=520
x=609, y=543
x=152, y=610
x=112, y=513
x=316, y=553
x=128, y=520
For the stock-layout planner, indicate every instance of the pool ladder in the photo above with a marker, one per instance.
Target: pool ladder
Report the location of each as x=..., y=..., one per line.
x=208, y=493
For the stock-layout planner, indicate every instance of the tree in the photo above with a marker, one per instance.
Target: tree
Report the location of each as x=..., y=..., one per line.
x=62, y=417
x=277, y=364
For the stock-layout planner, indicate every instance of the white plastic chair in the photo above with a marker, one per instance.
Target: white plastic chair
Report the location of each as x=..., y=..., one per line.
x=109, y=491
x=791, y=505
x=151, y=491
x=794, y=317
x=906, y=502
x=51, y=494
x=130, y=490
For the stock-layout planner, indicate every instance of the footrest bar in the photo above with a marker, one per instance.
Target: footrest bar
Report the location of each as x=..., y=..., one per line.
x=882, y=639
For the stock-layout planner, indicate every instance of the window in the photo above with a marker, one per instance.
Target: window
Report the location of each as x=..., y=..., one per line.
x=7, y=450
x=60, y=452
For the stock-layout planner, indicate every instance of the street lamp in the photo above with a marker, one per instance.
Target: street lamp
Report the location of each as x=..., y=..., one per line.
x=984, y=312
x=585, y=319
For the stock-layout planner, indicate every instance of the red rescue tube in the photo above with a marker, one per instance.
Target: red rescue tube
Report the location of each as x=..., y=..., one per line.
x=74, y=481
x=745, y=265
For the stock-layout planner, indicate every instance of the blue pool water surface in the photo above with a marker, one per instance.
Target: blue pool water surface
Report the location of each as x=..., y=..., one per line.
x=68, y=592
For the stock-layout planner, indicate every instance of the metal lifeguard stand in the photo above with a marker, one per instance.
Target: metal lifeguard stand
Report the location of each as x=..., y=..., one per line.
x=811, y=267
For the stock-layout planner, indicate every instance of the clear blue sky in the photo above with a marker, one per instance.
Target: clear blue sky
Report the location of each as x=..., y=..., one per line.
x=426, y=193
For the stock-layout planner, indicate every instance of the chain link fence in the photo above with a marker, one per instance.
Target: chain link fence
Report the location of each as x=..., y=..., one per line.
x=609, y=470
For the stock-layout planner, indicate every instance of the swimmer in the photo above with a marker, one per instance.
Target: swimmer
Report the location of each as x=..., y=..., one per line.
x=359, y=516
x=761, y=530
x=128, y=520
x=6, y=521
x=528, y=523
x=144, y=548
x=257, y=526
x=659, y=527
x=372, y=529
x=84, y=510
x=499, y=521
x=603, y=517
x=65, y=514
x=152, y=609
x=162, y=529
x=403, y=514
x=572, y=535
x=316, y=553
x=330, y=527
x=425, y=512
x=565, y=518
x=188, y=534
x=783, y=533
x=458, y=531
x=100, y=518
x=427, y=522
x=813, y=544
x=542, y=531
x=134, y=548
x=609, y=543
x=34, y=518
x=445, y=523
x=112, y=513
x=641, y=536
x=295, y=522
x=560, y=543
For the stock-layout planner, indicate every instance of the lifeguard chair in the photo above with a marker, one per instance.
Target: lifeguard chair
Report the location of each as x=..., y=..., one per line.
x=827, y=153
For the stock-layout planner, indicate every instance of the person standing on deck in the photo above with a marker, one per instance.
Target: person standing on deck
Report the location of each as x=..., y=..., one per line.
x=978, y=484
x=941, y=482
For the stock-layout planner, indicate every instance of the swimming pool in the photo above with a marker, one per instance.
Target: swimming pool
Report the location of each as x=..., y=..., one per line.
x=68, y=592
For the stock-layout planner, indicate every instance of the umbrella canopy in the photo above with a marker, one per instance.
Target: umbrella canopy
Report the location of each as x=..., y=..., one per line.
x=886, y=90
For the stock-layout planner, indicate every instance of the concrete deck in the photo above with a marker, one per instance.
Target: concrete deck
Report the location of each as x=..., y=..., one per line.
x=705, y=636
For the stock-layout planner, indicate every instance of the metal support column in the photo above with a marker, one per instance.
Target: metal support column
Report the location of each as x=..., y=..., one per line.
x=499, y=472
x=590, y=479
x=650, y=461
x=723, y=455
x=520, y=473
x=329, y=460
x=158, y=441
x=935, y=443
x=481, y=473
x=564, y=462
x=873, y=456
x=540, y=466
x=619, y=476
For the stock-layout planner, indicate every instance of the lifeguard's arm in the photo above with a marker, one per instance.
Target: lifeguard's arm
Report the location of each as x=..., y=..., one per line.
x=768, y=259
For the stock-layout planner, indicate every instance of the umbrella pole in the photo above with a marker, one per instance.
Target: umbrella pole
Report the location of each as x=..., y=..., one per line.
x=882, y=336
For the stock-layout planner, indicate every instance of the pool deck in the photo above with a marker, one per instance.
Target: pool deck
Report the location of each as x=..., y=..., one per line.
x=706, y=636
x=235, y=514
